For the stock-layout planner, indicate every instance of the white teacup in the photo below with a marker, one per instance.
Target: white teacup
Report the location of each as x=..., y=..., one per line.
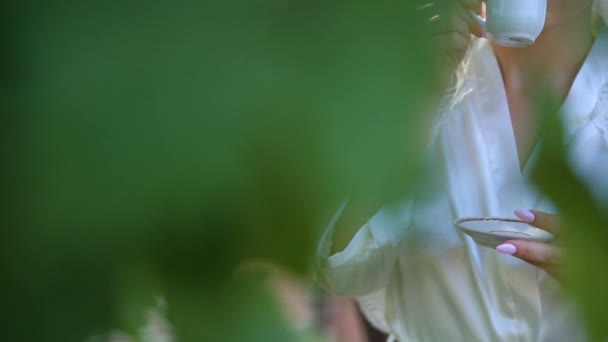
x=515, y=23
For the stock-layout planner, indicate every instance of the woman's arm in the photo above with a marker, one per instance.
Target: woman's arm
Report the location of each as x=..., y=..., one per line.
x=357, y=212
x=450, y=29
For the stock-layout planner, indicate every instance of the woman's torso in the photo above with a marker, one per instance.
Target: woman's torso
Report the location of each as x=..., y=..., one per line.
x=444, y=286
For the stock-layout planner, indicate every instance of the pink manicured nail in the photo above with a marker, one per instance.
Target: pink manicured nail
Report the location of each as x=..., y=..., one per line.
x=525, y=215
x=506, y=248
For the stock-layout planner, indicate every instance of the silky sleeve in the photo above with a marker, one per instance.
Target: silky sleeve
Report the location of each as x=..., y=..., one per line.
x=367, y=262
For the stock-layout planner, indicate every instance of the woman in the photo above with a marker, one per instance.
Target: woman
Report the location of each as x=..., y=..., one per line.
x=414, y=274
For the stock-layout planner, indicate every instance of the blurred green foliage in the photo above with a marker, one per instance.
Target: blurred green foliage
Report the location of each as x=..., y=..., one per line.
x=149, y=148
x=583, y=228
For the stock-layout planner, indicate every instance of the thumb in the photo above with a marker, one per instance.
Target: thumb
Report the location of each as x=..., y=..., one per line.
x=543, y=255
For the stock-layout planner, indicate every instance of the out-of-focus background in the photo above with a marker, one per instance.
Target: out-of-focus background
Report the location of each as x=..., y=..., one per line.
x=167, y=167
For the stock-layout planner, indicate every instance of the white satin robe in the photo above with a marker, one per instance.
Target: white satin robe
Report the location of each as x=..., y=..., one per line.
x=417, y=277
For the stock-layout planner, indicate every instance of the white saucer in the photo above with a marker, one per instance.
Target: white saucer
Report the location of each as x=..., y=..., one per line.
x=492, y=231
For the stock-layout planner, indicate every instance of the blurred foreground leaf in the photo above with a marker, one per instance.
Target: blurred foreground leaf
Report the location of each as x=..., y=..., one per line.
x=153, y=147
x=584, y=225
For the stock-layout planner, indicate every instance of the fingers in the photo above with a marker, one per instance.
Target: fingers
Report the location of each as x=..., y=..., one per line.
x=426, y=6
x=471, y=4
x=540, y=254
x=468, y=4
x=449, y=27
x=443, y=18
x=451, y=41
x=476, y=6
x=450, y=31
x=542, y=220
x=458, y=21
x=537, y=253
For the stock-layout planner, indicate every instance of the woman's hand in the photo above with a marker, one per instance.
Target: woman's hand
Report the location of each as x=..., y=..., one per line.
x=450, y=26
x=540, y=254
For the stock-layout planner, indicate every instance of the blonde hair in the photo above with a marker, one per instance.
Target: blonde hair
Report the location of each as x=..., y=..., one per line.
x=600, y=9
x=600, y=16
